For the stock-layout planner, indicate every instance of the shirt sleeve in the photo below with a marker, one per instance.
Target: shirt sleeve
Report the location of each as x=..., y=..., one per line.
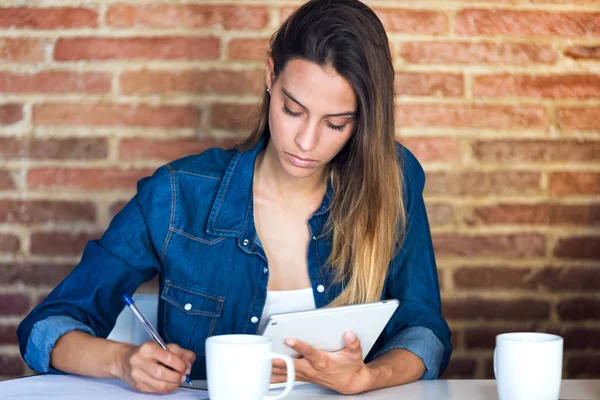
x=418, y=324
x=90, y=298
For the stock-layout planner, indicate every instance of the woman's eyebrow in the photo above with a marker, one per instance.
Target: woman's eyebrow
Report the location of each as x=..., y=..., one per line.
x=344, y=114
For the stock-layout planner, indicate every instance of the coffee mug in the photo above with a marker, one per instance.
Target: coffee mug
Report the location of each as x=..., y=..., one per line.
x=528, y=366
x=239, y=367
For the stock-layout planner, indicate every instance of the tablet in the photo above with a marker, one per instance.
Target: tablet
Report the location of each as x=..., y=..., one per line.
x=324, y=328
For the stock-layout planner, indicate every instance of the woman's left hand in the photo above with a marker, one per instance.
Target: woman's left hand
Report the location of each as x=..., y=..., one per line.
x=343, y=371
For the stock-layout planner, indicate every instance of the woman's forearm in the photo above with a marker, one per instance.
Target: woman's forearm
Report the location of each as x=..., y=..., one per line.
x=80, y=353
x=396, y=367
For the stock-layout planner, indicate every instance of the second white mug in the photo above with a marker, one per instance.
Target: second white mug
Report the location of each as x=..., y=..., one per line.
x=528, y=366
x=239, y=367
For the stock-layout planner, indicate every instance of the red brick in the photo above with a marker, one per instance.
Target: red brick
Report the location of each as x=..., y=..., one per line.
x=475, y=308
x=232, y=116
x=13, y=304
x=48, y=18
x=579, y=118
x=6, y=181
x=583, y=52
x=499, y=183
x=477, y=53
x=248, y=49
x=9, y=243
x=8, y=334
x=581, y=338
x=133, y=149
x=10, y=113
x=522, y=245
x=72, y=148
x=555, y=279
x=188, y=16
x=440, y=213
x=485, y=337
x=33, y=273
x=576, y=86
x=21, y=50
x=214, y=81
x=527, y=23
x=499, y=151
x=574, y=183
x=472, y=116
x=460, y=368
x=156, y=48
x=60, y=243
x=579, y=309
x=578, y=247
x=85, y=178
x=413, y=21
x=12, y=365
x=583, y=366
x=115, y=115
x=429, y=84
x=55, y=82
x=428, y=149
x=39, y=211
x=538, y=214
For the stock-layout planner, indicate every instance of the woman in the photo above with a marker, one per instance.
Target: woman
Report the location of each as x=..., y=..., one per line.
x=320, y=190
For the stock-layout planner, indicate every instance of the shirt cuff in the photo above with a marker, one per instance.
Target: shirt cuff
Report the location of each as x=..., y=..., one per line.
x=422, y=342
x=44, y=335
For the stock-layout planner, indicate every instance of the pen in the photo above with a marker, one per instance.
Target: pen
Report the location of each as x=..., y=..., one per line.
x=142, y=318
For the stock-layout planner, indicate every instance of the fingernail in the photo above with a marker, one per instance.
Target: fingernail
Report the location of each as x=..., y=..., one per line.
x=290, y=342
x=351, y=336
x=188, y=371
x=183, y=379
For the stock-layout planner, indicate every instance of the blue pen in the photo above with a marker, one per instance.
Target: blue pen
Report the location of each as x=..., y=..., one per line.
x=142, y=318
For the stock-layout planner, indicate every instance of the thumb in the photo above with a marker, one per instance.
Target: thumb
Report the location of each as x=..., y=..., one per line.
x=352, y=342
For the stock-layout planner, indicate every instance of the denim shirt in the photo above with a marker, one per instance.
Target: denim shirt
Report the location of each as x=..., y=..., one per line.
x=192, y=224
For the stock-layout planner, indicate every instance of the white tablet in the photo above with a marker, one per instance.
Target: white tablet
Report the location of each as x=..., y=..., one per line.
x=324, y=328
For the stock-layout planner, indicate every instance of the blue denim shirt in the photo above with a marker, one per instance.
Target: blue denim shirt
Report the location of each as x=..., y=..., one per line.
x=192, y=224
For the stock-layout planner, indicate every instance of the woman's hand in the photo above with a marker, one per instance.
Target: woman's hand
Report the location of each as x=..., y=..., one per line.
x=343, y=371
x=145, y=367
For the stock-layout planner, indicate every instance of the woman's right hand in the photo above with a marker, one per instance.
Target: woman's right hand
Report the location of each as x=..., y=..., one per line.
x=145, y=367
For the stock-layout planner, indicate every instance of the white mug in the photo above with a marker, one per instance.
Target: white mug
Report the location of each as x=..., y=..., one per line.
x=239, y=367
x=528, y=366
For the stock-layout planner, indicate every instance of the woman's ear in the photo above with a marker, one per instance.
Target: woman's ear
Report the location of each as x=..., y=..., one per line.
x=270, y=72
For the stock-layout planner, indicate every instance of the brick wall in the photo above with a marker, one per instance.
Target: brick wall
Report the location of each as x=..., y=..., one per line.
x=500, y=100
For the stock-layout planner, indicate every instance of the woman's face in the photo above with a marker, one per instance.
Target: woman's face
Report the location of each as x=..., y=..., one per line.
x=311, y=116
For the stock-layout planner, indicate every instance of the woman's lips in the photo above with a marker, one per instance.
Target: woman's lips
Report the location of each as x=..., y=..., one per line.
x=301, y=162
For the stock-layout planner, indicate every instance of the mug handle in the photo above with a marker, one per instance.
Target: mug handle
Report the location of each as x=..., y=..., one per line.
x=291, y=375
x=495, y=369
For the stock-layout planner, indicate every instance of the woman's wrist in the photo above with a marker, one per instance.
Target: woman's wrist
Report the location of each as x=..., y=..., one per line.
x=118, y=351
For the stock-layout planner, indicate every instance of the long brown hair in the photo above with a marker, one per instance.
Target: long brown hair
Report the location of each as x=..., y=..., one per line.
x=367, y=216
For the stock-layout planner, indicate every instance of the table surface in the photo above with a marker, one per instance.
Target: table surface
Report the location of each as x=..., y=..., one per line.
x=67, y=387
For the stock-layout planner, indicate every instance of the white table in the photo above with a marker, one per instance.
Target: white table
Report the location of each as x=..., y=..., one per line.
x=66, y=387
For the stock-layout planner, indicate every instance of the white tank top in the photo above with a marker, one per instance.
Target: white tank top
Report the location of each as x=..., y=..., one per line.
x=283, y=301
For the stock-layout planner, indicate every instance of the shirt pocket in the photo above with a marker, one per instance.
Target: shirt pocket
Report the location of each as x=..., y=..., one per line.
x=190, y=313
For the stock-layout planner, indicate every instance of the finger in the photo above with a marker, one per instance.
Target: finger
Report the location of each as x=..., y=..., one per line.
x=149, y=384
x=164, y=357
x=313, y=355
x=278, y=363
x=352, y=341
x=163, y=374
x=279, y=378
x=187, y=356
x=279, y=371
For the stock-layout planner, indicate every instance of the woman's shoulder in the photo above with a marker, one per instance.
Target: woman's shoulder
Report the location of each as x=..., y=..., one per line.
x=413, y=174
x=211, y=163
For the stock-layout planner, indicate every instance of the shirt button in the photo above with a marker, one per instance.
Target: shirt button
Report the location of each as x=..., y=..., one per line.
x=254, y=320
x=320, y=288
x=187, y=307
x=245, y=242
x=314, y=238
x=265, y=270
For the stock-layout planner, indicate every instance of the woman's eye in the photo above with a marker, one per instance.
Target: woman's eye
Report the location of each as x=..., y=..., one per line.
x=290, y=112
x=336, y=127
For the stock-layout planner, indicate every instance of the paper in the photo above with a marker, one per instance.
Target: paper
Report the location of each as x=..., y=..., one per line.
x=67, y=387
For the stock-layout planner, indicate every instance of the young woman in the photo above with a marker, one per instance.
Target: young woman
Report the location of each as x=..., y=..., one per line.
x=319, y=207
